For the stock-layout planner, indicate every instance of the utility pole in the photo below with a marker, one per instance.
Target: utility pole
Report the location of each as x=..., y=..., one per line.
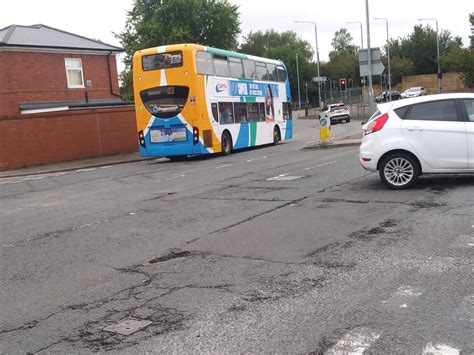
x=369, y=55
x=298, y=75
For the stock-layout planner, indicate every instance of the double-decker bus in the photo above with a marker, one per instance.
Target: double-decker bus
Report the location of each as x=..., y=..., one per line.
x=191, y=100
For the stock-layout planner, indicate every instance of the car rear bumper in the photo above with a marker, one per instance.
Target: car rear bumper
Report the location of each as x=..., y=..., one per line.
x=369, y=153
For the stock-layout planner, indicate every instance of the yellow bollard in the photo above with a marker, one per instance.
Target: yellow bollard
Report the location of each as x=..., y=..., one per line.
x=324, y=130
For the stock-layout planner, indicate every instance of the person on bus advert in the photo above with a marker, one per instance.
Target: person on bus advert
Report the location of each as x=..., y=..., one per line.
x=270, y=116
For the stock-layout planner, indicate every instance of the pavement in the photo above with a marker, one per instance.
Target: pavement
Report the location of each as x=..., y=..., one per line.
x=134, y=157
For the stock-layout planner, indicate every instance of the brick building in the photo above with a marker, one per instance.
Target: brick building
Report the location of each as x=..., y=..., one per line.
x=59, y=98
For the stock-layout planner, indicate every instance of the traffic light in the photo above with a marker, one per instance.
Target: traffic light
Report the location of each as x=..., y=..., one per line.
x=343, y=85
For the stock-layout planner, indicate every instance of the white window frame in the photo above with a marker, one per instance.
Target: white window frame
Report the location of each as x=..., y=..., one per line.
x=69, y=85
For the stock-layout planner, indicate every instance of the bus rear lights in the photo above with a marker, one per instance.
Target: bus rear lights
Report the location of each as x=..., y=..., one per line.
x=195, y=135
x=141, y=139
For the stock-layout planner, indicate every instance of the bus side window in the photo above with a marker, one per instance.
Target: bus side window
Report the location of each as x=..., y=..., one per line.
x=287, y=110
x=240, y=110
x=252, y=109
x=204, y=63
x=221, y=66
x=215, y=114
x=272, y=72
x=281, y=74
x=226, y=113
x=236, y=68
x=261, y=111
x=249, y=69
x=262, y=73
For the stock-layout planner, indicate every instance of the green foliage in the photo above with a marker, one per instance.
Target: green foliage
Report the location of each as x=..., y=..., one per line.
x=152, y=23
x=471, y=20
x=342, y=43
x=460, y=60
x=285, y=46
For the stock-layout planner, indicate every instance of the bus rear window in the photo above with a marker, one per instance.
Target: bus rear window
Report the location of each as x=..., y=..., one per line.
x=162, y=60
x=165, y=101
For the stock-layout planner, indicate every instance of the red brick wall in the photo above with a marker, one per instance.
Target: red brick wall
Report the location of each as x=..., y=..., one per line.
x=30, y=77
x=68, y=135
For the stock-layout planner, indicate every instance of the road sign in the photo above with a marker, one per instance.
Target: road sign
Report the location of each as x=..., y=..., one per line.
x=377, y=66
x=320, y=79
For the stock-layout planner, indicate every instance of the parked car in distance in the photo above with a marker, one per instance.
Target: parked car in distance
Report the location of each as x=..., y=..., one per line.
x=423, y=135
x=385, y=96
x=414, y=92
x=336, y=113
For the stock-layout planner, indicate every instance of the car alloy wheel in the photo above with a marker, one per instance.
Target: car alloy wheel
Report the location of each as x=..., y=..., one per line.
x=399, y=171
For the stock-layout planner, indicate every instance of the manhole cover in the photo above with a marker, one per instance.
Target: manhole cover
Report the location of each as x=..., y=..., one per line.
x=284, y=178
x=128, y=326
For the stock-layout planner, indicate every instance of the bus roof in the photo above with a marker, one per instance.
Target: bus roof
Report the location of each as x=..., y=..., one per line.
x=176, y=47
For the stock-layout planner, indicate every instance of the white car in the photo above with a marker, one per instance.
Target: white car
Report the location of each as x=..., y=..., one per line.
x=423, y=135
x=336, y=113
x=414, y=92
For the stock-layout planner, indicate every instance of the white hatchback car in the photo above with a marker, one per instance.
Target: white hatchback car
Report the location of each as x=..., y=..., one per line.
x=428, y=134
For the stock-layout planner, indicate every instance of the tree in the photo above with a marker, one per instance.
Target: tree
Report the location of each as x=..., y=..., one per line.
x=284, y=46
x=471, y=20
x=460, y=60
x=342, y=43
x=152, y=23
x=343, y=59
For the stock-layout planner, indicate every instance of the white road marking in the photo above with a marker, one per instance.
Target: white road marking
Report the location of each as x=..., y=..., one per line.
x=251, y=160
x=439, y=349
x=223, y=166
x=284, y=178
x=85, y=170
x=355, y=342
x=279, y=177
x=311, y=141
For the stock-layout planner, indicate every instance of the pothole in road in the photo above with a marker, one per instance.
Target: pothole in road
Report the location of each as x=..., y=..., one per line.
x=127, y=326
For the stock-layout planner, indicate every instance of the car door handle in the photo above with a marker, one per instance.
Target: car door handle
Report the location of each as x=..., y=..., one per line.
x=415, y=128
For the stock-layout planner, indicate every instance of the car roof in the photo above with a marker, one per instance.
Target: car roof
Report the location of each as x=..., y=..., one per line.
x=385, y=107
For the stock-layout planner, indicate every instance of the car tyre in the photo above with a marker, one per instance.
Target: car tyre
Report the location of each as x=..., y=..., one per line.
x=226, y=143
x=399, y=171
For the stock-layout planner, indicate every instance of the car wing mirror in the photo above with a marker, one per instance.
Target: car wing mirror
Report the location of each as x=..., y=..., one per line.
x=363, y=123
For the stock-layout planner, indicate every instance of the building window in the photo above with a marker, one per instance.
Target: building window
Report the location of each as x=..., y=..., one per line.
x=75, y=79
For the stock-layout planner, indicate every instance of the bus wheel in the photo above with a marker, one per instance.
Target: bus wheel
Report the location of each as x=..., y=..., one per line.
x=226, y=143
x=276, y=136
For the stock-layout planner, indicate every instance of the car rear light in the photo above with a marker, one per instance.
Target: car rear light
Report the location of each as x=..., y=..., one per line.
x=195, y=135
x=366, y=159
x=376, y=125
x=141, y=139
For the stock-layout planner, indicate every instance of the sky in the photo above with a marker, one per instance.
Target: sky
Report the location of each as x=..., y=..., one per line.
x=100, y=19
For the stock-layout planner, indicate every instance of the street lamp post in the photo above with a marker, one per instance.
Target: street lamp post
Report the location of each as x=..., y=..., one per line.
x=369, y=60
x=361, y=35
x=361, y=47
x=437, y=49
x=388, y=58
x=317, y=56
x=298, y=75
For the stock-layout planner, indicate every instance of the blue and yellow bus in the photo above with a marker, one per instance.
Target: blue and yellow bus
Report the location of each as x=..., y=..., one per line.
x=191, y=100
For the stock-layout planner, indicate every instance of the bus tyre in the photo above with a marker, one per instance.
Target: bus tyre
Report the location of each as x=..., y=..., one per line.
x=276, y=135
x=226, y=143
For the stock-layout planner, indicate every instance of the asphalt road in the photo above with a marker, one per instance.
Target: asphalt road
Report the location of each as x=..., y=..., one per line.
x=269, y=250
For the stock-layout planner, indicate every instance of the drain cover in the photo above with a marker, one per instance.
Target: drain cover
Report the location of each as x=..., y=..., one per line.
x=128, y=326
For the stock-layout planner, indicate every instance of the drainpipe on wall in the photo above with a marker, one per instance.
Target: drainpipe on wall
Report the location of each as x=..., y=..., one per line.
x=110, y=75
